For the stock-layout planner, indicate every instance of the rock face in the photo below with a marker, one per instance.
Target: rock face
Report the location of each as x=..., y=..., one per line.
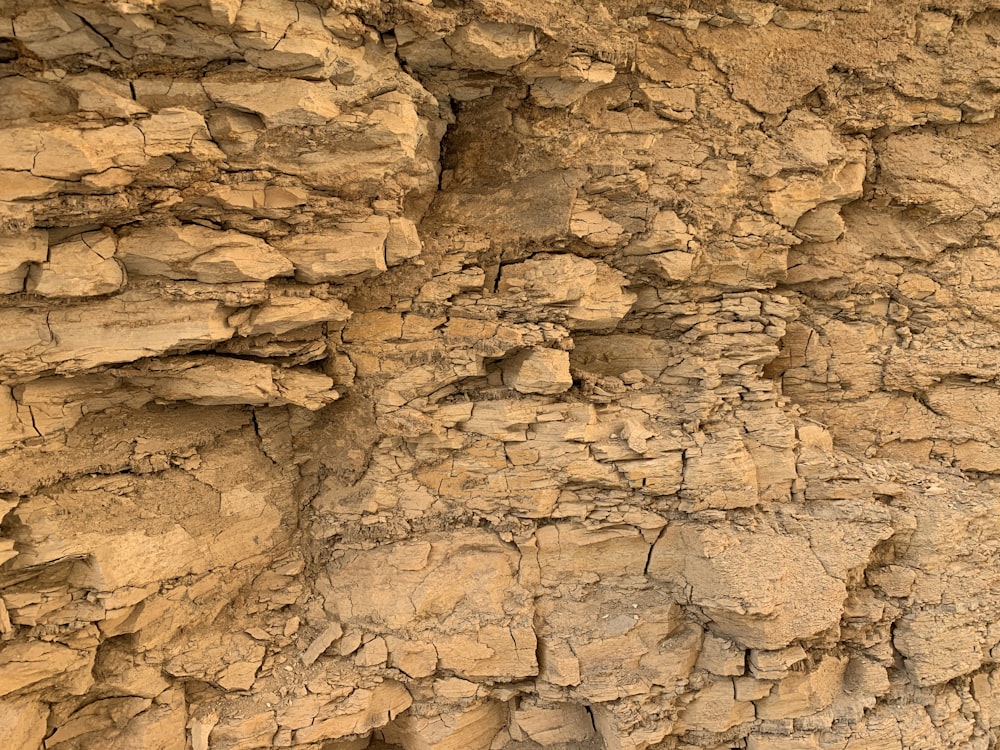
x=499, y=375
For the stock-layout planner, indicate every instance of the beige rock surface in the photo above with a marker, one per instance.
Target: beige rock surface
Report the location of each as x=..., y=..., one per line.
x=499, y=375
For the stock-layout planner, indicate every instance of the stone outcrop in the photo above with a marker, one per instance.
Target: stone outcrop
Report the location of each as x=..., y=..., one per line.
x=499, y=375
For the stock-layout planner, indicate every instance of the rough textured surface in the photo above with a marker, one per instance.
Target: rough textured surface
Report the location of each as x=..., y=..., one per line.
x=499, y=375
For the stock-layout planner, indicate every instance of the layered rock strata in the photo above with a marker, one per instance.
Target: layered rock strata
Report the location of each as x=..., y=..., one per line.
x=499, y=375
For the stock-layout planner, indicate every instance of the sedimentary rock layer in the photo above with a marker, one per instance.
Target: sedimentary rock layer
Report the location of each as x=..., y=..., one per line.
x=499, y=375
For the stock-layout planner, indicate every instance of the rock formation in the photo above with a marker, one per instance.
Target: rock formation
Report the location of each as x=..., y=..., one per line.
x=499, y=375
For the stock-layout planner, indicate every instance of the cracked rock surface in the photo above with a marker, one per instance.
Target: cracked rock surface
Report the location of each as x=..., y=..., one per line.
x=498, y=375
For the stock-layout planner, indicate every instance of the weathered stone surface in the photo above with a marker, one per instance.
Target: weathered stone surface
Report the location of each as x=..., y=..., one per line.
x=538, y=371
x=568, y=82
x=51, y=31
x=215, y=522
x=497, y=375
x=132, y=325
x=38, y=664
x=536, y=207
x=24, y=98
x=84, y=267
x=355, y=250
x=556, y=724
x=715, y=709
x=591, y=294
x=17, y=253
x=362, y=711
x=278, y=102
x=464, y=582
x=285, y=314
x=244, y=732
x=212, y=381
x=403, y=241
x=474, y=728
x=721, y=473
x=804, y=693
x=199, y=253
x=25, y=722
x=491, y=46
x=761, y=588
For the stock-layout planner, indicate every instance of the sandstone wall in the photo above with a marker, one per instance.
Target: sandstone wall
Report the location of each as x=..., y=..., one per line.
x=499, y=375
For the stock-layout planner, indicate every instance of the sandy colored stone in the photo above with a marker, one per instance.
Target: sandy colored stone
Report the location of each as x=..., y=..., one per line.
x=488, y=633
x=178, y=132
x=51, y=31
x=762, y=589
x=553, y=724
x=31, y=98
x=474, y=728
x=805, y=693
x=492, y=46
x=38, y=664
x=98, y=716
x=720, y=474
x=362, y=711
x=771, y=665
x=279, y=103
x=403, y=241
x=196, y=252
x=536, y=207
x=220, y=527
x=97, y=92
x=594, y=228
x=568, y=551
x=68, y=154
x=355, y=250
x=720, y=656
x=214, y=381
x=591, y=292
x=17, y=252
x=715, y=709
x=550, y=374
x=16, y=423
x=25, y=724
x=539, y=371
x=245, y=732
x=413, y=658
x=121, y=329
x=283, y=314
x=84, y=267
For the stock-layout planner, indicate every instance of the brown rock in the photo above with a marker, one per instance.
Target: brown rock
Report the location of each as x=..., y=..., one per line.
x=715, y=709
x=760, y=588
x=541, y=374
x=538, y=371
x=553, y=724
x=38, y=664
x=16, y=253
x=492, y=46
x=355, y=250
x=473, y=728
x=359, y=713
x=85, y=267
x=195, y=252
x=25, y=724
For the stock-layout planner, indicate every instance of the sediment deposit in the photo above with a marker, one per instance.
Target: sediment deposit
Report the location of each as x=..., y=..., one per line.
x=499, y=375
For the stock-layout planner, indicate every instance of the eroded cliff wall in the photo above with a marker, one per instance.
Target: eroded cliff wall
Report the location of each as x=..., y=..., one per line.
x=499, y=375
